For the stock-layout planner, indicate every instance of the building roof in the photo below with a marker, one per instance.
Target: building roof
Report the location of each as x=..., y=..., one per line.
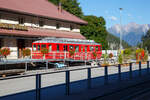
x=41, y=8
x=35, y=32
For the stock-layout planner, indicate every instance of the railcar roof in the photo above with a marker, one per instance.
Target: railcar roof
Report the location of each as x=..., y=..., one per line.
x=66, y=41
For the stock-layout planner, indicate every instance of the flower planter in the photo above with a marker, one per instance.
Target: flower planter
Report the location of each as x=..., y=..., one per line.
x=104, y=65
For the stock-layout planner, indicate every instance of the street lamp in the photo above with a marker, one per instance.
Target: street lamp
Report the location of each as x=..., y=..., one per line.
x=120, y=28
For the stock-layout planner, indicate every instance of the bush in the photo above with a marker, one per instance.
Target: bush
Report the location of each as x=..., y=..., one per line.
x=105, y=56
x=127, y=52
x=5, y=52
x=120, y=59
x=26, y=52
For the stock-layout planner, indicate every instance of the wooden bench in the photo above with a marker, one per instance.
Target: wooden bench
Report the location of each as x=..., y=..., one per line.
x=5, y=73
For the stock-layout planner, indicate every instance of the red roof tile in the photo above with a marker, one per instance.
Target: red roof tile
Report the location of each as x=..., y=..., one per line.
x=34, y=32
x=39, y=8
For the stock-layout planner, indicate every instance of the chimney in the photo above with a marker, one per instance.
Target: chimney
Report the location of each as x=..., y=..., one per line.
x=59, y=7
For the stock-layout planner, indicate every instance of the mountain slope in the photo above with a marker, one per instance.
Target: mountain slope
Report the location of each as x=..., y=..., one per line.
x=114, y=42
x=132, y=32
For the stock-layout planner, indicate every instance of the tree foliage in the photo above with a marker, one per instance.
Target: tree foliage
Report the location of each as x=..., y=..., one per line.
x=146, y=40
x=95, y=30
x=71, y=6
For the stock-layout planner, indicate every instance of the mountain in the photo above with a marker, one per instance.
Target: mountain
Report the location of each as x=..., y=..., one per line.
x=131, y=33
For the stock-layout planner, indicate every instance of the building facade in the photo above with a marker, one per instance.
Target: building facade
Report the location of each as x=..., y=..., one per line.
x=24, y=21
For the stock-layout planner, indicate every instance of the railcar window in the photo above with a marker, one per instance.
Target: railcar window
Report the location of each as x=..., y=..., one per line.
x=50, y=48
x=85, y=48
x=43, y=46
x=65, y=48
x=76, y=48
x=71, y=47
x=97, y=48
x=34, y=47
x=81, y=48
x=57, y=47
x=91, y=48
x=38, y=47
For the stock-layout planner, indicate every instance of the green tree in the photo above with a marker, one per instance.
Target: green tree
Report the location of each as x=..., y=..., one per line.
x=95, y=30
x=71, y=6
x=146, y=41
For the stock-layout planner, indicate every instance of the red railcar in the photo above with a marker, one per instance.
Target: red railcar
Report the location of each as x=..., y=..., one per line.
x=60, y=48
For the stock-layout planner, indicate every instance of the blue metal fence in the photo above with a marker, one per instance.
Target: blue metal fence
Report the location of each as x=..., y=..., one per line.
x=67, y=77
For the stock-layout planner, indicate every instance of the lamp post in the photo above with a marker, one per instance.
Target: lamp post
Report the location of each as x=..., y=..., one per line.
x=120, y=29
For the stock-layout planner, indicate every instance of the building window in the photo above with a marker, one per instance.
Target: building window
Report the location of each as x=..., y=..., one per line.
x=21, y=20
x=41, y=23
x=71, y=27
x=0, y=16
x=57, y=26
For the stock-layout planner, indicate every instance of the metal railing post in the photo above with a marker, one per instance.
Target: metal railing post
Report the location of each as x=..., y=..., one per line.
x=106, y=75
x=38, y=87
x=46, y=64
x=119, y=72
x=140, y=68
x=130, y=70
x=67, y=82
x=89, y=78
x=147, y=66
x=26, y=66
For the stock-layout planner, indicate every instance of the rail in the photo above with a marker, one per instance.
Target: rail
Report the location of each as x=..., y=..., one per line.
x=67, y=77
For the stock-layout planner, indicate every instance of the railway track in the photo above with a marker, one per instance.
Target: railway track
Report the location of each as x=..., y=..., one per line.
x=128, y=93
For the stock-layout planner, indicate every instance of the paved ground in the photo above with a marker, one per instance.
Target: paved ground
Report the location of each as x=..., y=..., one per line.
x=14, y=86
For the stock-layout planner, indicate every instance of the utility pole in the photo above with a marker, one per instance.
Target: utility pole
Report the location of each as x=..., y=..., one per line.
x=121, y=47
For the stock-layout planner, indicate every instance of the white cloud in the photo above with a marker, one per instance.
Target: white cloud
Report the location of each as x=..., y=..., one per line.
x=113, y=18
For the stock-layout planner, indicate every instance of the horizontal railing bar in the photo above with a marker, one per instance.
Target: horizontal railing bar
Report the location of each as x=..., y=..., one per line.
x=45, y=73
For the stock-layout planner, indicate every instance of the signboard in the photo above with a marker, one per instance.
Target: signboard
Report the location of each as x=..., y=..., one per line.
x=13, y=26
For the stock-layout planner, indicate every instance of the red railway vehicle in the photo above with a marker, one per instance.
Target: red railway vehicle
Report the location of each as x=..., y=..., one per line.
x=63, y=48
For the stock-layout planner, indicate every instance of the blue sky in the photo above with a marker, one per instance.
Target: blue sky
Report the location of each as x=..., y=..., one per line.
x=133, y=10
